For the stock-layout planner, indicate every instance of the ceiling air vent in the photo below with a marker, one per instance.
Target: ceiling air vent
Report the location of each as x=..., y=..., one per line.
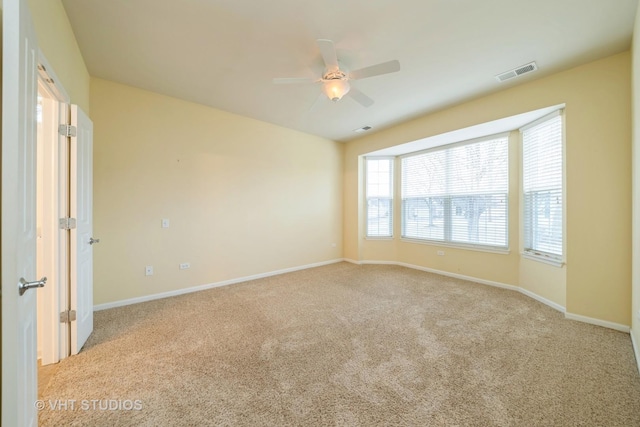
x=362, y=129
x=517, y=72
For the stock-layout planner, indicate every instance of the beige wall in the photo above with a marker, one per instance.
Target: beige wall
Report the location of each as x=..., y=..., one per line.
x=635, y=327
x=598, y=148
x=58, y=43
x=243, y=197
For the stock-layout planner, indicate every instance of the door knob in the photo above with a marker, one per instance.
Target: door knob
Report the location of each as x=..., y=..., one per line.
x=92, y=240
x=24, y=286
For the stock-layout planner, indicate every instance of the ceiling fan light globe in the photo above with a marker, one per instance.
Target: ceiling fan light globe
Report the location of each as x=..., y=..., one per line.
x=336, y=89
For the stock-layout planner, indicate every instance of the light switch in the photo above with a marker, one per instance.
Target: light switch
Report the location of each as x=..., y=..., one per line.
x=165, y=223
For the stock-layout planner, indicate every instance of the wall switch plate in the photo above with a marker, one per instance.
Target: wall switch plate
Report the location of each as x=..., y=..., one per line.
x=440, y=253
x=148, y=270
x=185, y=265
x=333, y=245
x=165, y=223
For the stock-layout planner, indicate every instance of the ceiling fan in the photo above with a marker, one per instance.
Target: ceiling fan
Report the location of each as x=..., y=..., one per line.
x=335, y=79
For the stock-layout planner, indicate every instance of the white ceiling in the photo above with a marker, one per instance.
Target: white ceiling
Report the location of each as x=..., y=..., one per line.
x=225, y=53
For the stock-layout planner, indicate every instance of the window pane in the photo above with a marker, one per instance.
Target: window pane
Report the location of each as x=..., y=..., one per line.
x=424, y=174
x=379, y=217
x=457, y=194
x=543, y=221
x=479, y=219
x=542, y=186
x=379, y=194
x=478, y=168
x=379, y=178
x=423, y=218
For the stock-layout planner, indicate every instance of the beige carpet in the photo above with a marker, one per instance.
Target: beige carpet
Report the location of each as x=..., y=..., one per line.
x=347, y=345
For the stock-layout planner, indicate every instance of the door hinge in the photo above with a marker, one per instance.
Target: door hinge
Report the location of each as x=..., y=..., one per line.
x=67, y=130
x=67, y=316
x=67, y=223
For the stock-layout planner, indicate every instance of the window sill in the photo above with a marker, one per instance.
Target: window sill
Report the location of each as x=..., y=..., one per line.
x=543, y=259
x=500, y=251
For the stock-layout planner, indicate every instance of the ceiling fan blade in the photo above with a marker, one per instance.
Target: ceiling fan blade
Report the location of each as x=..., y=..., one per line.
x=376, y=70
x=293, y=80
x=328, y=52
x=319, y=101
x=360, y=97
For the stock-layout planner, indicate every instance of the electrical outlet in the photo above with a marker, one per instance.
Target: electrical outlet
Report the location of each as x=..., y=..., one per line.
x=333, y=245
x=185, y=265
x=440, y=253
x=148, y=270
x=165, y=223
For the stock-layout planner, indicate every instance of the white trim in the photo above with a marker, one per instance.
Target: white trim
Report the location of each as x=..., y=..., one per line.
x=570, y=316
x=460, y=143
x=177, y=292
x=556, y=306
x=543, y=119
x=494, y=127
x=55, y=185
x=543, y=300
x=460, y=276
x=597, y=322
x=545, y=259
x=467, y=247
x=635, y=350
x=525, y=292
x=440, y=272
x=53, y=85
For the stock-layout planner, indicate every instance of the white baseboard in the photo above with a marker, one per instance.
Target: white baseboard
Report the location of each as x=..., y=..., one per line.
x=555, y=306
x=597, y=322
x=526, y=292
x=571, y=316
x=440, y=272
x=459, y=276
x=189, y=290
x=635, y=350
x=543, y=300
x=489, y=283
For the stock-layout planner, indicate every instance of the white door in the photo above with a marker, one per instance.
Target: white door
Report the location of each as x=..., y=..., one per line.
x=82, y=236
x=19, y=99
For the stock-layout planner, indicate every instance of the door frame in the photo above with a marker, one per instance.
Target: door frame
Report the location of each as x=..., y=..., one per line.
x=54, y=298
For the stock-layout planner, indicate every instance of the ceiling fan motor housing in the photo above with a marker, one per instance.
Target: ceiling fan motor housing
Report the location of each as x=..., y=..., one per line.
x=335, y=84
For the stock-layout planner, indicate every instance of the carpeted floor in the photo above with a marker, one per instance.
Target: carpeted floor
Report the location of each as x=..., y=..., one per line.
x=351, y=346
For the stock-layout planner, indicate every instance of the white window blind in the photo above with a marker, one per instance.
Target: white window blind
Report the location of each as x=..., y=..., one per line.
x=458, y=194
x=379, y=189
x=542, y=180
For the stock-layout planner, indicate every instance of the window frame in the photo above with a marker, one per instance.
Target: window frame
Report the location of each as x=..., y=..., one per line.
x=531, y=253
x=392, y=161
x=452, y=243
